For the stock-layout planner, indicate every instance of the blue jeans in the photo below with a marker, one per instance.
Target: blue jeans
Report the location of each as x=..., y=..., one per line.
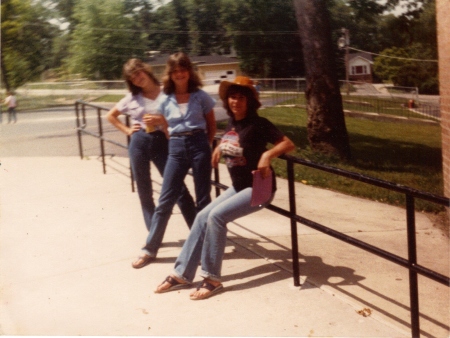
x=152, y=147
x=12, y=114
x=185, y=152
x=208, y=236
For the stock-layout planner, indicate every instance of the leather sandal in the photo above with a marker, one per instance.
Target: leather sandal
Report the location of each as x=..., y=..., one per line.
x=142, y=261
x=173, y=285
x=212, y=290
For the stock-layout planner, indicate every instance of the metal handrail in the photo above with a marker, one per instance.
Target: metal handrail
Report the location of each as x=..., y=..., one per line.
x=410, y=193
x=81, y=129
x=410, y=263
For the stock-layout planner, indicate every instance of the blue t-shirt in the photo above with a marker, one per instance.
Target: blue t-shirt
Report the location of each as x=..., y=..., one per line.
x=137, y=105
x=200, y=104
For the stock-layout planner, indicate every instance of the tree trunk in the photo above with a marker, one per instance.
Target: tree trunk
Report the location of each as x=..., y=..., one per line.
x=327, y=132
x=4, y=74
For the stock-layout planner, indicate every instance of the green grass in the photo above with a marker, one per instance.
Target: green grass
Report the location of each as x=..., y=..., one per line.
x=404, y=154
x=357, y=103
x=41, y=102
x=108, y=98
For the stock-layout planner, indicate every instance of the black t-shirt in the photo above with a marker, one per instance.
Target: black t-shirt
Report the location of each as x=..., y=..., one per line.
x=242, y=145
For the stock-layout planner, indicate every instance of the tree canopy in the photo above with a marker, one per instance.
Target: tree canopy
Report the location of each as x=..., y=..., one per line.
x=26, y=41
x=412, y=63
x=101, y=35
x=104, y=38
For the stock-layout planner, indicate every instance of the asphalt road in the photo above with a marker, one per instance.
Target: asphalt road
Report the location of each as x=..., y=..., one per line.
x=53, y=132
x=49, y=132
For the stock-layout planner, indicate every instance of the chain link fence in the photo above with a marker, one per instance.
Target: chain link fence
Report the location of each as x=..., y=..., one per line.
x=357, y=97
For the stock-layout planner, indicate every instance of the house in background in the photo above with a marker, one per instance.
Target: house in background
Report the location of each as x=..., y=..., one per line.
x=360, y=67
x=212, y=68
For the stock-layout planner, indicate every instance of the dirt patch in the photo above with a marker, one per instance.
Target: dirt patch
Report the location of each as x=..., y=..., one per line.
x=441, y=221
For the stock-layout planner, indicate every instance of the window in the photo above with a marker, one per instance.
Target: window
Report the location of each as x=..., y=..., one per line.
x=359, y=70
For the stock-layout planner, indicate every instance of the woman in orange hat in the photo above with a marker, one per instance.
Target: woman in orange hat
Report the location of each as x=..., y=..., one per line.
x=243, y=147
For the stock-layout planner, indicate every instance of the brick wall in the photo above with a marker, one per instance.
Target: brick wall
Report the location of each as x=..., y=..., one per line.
x=443, y=29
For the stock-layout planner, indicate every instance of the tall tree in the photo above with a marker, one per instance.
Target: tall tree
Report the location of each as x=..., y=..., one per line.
x=104, y=38
x=264, y=36
x=169, y=31
x=26, y=41
x=65, y=9
x=403, y=67
x=207, y=34
x=327, y=132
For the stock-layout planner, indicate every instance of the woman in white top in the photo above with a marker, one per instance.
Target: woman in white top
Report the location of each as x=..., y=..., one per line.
x=149, y=141
x=11, y=102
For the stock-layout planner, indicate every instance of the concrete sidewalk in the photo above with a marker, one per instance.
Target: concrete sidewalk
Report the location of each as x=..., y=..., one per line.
x=68, y=235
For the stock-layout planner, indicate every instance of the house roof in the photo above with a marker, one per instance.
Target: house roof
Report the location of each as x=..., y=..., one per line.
x=161, y=59
x=362, y=55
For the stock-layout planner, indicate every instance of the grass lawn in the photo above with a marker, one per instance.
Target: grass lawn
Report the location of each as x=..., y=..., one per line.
x=358, y=103
x=400, y=153
x=406, y=154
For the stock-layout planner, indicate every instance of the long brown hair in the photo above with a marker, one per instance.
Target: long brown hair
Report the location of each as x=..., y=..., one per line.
x=131, y=67
x=180, y=60
x=252, y=103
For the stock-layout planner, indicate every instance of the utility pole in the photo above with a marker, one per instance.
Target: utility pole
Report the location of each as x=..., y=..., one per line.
x=344, y=42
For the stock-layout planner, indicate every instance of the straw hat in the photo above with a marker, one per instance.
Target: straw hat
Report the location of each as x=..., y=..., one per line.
x=241, y=81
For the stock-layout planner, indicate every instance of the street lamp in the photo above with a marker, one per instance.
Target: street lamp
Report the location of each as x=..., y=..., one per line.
x=344, y=42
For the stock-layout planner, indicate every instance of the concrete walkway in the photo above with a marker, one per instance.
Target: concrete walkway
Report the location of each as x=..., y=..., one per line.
x=69, y=233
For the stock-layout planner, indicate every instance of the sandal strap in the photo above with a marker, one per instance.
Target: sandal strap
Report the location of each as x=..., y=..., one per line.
x=172, y=281
x=206, y=285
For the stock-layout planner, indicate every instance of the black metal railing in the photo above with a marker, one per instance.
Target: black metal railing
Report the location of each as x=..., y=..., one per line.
x=410, y=263
x=411, y=194
x=98, y=132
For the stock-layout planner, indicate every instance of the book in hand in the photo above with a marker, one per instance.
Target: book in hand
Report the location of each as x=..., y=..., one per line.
x=262, y=188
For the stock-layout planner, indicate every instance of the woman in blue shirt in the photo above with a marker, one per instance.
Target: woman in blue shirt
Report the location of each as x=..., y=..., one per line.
x=148, y=143
x=189, y=113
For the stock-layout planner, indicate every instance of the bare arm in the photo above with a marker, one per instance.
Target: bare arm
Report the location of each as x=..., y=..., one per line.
x=216, y=157
x=113, y=117
x=284, y=146
x=211, y=125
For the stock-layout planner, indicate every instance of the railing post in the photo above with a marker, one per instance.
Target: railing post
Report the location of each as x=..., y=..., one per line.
x=80, y=143
x=274, y=89
x=102, y=142
x=293, y=212
x=216, y=171
x=412, y=258
x=127, y=122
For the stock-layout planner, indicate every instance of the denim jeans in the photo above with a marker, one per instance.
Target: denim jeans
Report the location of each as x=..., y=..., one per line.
x=185, y=152
x=12, y=114
x=208, y=236
x=152, y=147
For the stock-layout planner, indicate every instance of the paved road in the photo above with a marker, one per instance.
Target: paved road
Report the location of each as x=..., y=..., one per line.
x=52, y=132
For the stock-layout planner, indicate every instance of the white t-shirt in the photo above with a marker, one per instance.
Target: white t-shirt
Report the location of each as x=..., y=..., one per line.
x=11, y=101
x=137, y=105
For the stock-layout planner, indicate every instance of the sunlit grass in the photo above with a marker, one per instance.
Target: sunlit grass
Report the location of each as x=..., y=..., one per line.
x=404, y=154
